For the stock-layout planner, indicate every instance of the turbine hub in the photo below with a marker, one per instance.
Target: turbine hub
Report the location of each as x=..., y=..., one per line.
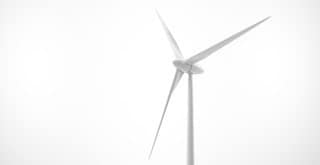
x=186, y=67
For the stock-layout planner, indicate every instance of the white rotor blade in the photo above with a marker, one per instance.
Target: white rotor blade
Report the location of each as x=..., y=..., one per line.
x=209, y=51
x=175, y=82
x=172, y=41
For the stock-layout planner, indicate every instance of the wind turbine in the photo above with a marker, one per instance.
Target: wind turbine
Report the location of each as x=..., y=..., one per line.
x=189, y=67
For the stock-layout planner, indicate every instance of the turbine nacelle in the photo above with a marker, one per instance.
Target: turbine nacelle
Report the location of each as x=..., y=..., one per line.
x=186, y=67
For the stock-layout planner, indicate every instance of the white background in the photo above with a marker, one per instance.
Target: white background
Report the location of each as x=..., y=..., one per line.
x=85, y=82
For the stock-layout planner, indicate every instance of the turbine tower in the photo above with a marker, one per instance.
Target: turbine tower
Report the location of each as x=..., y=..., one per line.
x=189, y=67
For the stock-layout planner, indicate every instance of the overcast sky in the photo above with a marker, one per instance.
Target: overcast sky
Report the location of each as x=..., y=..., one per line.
x=85, y=82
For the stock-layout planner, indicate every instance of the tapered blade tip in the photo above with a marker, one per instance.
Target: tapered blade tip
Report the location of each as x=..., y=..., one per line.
x=266, y=18
x=157, y=12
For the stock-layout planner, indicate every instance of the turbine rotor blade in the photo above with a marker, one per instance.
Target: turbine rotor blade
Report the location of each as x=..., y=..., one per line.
x=173, y=43
x=175, y=82
x=198, y=57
